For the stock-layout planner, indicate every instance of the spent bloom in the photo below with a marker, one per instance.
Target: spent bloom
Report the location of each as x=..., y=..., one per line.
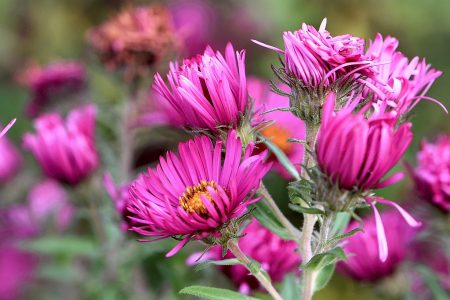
x=65, y=149
x=363, y=261
x=432, y=174
x=356, y=152
x=48, y=199
x=135, y=38
x=193, y=195
x=317, y=58
x=399, y=83
x=207, y=91
x=50, y=81
x=283, y=126
x=277, y=257
x=11, y=160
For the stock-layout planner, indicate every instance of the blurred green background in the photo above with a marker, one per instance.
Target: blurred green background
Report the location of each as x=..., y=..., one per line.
x=45, y=30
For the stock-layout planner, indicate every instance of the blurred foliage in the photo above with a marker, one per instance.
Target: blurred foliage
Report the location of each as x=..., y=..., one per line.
x=45, y=30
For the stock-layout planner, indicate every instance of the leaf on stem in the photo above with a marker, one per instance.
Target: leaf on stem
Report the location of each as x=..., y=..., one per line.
x=324, y=259
x=212, y=293
x=223, y=262
x=282, y=158
x=266, y=217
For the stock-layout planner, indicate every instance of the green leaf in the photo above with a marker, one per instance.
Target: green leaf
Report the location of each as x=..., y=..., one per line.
x=290, y=288
x=339, y=237
x=340, y=223
x=306, y=210
x=323, y=277
x=223, y=262
x=322, y=260
x=282, y=158
x=64, y=245
x=432, y=282
x=211, y=293
x=265, y=216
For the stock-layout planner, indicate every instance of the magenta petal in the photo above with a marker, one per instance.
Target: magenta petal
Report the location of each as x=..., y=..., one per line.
x=5, y=130
x=381, y=236
x=408, y=218
x=178, y=247
x=390, y=181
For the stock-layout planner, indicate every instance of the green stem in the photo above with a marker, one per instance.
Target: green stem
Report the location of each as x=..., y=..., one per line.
x=293, y=232
x=263, y=279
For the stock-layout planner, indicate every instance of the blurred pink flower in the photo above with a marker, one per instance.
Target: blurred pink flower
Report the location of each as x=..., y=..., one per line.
x=277, y=257
x=16, y=223
x=432, y=174
x=194, y=194
x=48, y=199
x=401, y=82
x=285, y=124
x=206, y=91
x=46, y=82
x=65, y=149
x=317, y=58
x=356, y=152
x=16, y=269
x=196, y=23
x=11, y=160
x=363, y=261
x=135, y=38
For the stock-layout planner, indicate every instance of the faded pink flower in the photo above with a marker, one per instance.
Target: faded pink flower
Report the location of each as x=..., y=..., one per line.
x=432, y=174
x=16, y=269
x=47, y=82
x=285, y=125
x=11, y=160
x=194, y=194
x=135, y=38
x=363, y=261
x=400, y=83
x=48, y=199
x=317, y=58
x=66, y=149
x=277, y=257
x=207, y=91
x=355, y=152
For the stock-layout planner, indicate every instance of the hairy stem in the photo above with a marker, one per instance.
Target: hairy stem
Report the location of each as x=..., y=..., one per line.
x=293, y=232
x=309, y=220
x=263, y=279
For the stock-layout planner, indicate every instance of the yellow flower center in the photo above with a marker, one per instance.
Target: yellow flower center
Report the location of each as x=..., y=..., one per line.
x=278, y=136
x=191, y=200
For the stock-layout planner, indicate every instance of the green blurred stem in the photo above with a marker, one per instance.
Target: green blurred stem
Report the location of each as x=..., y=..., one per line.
x=293, y=232
x=263, y=279
x=309, y=220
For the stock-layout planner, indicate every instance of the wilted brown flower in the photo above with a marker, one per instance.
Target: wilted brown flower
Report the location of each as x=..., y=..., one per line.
x=135, y=38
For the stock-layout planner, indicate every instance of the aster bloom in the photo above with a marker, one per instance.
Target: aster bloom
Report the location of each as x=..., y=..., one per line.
x=135, y=38
x=47, y=82
x=432, y=174
x=193, y=195
x=11, y=160
x=66, y=149
x=317, y=58
x=283, y=126
x=356, y=152
x=207, y=91
x=278, y=257
x=363, y=261
x=48, y=199
x=399, y=83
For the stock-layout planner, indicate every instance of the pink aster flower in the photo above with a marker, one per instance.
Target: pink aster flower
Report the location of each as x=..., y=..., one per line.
x=65, y=149
x=11, y=160
x=400, y=83
x=317, y=58
x=432, y=174
x=285, y=125
x=356, y=152
x=47, y=82
x=363, y=261
x=277, y=257
x=207, y=91
x=48, y=199
x=194, y=194
x=16, y=269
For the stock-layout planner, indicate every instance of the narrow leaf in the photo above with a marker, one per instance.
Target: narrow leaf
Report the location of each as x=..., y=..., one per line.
x=322, y=260
x=224, y=262
x=306, y=210
x=68, y=245
x=211, y=293
x=323, y=277
x=341, y=222
x=265, y=216
x=290, y=288
x=282, y=158
x=432, y=282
